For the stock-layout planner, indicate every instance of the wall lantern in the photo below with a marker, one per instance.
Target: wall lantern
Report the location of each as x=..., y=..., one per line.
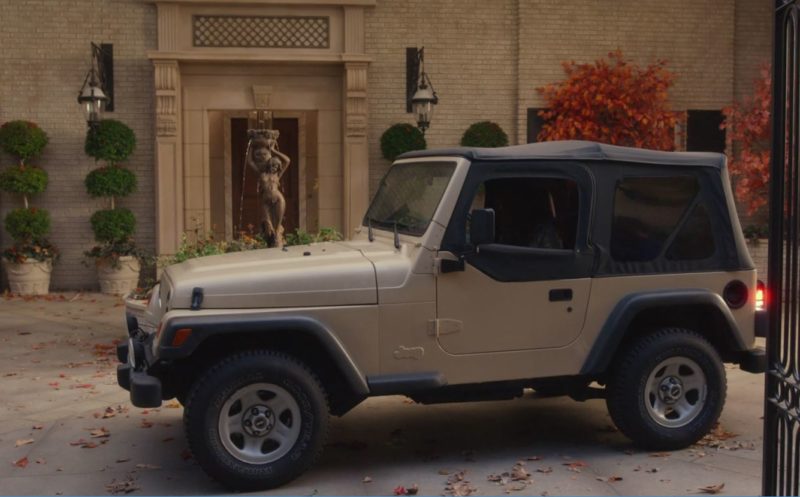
x=424, y=97
x=96, y=95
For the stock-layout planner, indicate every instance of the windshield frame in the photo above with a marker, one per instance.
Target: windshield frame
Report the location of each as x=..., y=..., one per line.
x=401, y=228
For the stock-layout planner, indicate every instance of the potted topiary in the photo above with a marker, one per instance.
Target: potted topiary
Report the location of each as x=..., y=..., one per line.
x=29, y=262
x=484, y=134
x=116, y=255
x=401, y=138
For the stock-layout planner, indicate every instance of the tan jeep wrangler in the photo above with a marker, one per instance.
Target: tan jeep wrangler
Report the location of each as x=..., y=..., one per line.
x=564, y=267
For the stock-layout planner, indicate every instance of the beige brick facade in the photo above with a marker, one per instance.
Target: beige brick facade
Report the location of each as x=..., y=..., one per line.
x=44, y=56
x=485, y=57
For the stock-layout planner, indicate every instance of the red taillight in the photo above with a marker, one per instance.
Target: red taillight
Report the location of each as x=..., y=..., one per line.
x=761, y=297
x=181, y=335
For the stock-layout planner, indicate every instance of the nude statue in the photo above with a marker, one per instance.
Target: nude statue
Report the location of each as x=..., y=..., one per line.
x=270, y=164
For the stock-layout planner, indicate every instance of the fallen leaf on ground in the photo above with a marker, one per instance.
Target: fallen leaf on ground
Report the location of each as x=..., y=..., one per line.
x=124, y=459
x=712, y=489
x=547, y=469
x=83, y=385
x=99, y=433
x=519, y=473
x=609, y=479
x=9, y=374
x=660, y=454
x=20, y=443
x=575, y=466
x=41, y=460
x=146, y=424
x=168, y=439
x=173, y=405
x=412, y=490
x=21, y=463
x=147, y=466
x=458, y=485
x=444, y=472
x=534, y=458
x=37, y=427
x=122, y=487
x=366, y=479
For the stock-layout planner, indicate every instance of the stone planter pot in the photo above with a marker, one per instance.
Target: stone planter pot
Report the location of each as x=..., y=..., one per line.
x=120, y=280
x=30, y=277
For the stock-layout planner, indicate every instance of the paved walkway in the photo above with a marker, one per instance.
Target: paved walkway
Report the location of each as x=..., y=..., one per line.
x=71, y=430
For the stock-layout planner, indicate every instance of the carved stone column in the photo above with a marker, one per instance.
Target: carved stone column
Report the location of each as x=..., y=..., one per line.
x=356, y=153
x=168, y=156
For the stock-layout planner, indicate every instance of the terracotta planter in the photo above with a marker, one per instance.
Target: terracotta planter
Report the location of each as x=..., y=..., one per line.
x=120, y=280
x=30, y=277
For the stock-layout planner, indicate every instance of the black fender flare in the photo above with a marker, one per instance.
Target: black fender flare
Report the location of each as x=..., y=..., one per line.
x=615, y=327
x=204, y=327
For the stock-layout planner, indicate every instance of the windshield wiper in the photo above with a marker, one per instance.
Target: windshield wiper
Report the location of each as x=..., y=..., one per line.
x=370, y=235
x=396, y=237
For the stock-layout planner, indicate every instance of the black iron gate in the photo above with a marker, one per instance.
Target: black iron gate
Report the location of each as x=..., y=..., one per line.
x=782, y=405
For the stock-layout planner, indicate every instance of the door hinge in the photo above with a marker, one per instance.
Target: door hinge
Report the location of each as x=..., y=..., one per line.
x=439, y=327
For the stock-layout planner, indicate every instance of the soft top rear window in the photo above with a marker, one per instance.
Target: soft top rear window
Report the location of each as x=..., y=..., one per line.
x=646, y=212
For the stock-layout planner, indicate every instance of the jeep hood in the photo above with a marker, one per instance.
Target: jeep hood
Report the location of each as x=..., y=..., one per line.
x=321, y=274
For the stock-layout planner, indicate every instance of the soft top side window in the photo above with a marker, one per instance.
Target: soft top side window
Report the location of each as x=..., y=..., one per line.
x=531, y=212
x=646, y=212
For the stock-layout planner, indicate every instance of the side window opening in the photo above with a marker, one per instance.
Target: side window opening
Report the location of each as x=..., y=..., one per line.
x=531, y=212
x=646, y=212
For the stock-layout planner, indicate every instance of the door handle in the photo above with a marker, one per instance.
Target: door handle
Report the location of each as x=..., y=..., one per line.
x=560, y=294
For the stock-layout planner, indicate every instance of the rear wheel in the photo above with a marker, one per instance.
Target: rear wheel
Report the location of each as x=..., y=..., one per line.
x=256, y=420
x=668, y=389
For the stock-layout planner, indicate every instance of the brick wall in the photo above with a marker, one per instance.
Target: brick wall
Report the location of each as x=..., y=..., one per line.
x=470, y=54
x=44, y=57
x=485, y=57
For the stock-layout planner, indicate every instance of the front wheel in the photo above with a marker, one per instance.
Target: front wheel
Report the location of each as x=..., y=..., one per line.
x=256, y=420
x=668, y=389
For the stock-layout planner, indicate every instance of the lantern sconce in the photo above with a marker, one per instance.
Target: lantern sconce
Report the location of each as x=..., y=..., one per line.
x=97, y=93
x=420, y=95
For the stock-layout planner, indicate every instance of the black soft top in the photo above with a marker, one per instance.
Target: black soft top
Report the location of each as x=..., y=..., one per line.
x=577, y=150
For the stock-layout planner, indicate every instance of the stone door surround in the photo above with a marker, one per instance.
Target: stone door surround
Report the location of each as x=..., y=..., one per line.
x=325, y=32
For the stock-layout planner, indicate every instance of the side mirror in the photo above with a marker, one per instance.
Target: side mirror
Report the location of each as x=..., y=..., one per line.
x=481, y=227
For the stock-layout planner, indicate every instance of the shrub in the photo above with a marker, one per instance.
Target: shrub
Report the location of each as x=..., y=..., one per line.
x=28, y=226
x=401, y=138
x=23, y=179
x=111, y=181
x=303, y=237
x=611, y=101
x=110, y=140
x=23, y=139
x=113, y=225
x=484, y=134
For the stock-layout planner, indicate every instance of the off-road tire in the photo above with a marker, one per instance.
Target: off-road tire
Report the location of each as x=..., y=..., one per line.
x=209, y=394
x=626, y=399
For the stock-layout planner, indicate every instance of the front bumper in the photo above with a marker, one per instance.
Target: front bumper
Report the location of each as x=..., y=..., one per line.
x=132, y=374
x=754, y=360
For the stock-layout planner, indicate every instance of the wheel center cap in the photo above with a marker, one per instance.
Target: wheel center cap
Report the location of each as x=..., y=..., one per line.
x=670, y=390
x=258, y=420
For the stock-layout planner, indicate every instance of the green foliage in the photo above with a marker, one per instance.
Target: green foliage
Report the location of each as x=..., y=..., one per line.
x=28, y=226
x=111, y=181
x=484, y=134
x=22, y=139
x=202, y=245
x=303, y=237
x=113, y=251
x=113, y=225
x=401, y=138
x=23, y=179
x=110, y=140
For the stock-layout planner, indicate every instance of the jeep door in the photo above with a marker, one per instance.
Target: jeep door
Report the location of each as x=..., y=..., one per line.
x=528, y=288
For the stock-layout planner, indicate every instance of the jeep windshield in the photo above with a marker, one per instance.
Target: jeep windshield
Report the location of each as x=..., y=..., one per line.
x=408, y=196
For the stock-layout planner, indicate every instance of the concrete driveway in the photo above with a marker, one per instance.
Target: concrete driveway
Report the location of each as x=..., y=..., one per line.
x=67, y=429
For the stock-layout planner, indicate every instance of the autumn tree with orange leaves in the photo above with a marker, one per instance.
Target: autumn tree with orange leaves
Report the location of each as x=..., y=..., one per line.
x=748, y=125
x=611, y=101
